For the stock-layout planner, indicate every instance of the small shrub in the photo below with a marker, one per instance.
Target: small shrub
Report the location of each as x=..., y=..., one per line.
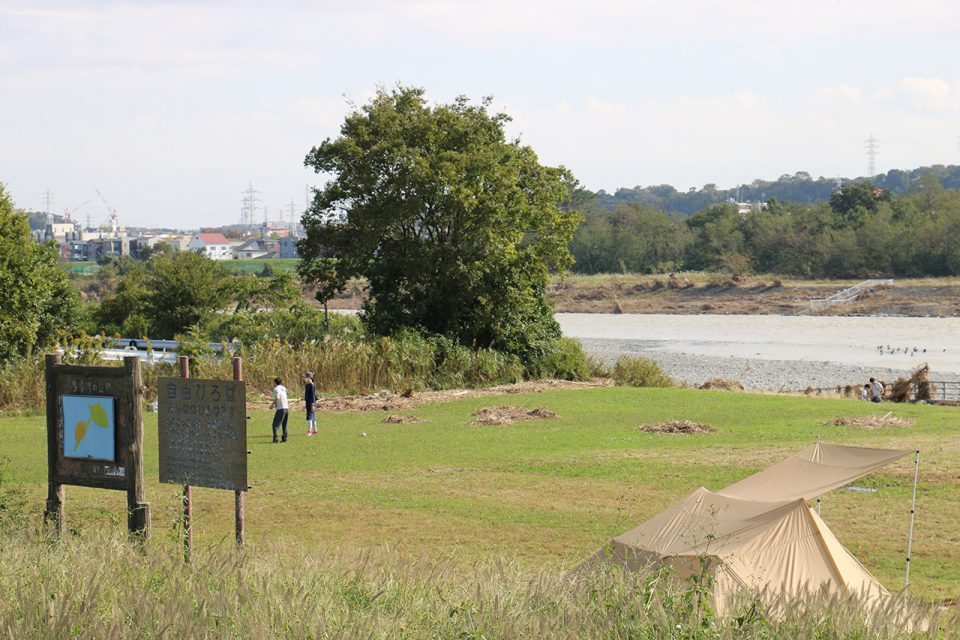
x=564, y=361
x=639, y=372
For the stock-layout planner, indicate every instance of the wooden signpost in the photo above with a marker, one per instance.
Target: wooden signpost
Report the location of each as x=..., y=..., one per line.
x=95, y=435
x=202, y=429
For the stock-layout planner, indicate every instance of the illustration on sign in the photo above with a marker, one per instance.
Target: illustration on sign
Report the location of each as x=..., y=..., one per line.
x=88, y=427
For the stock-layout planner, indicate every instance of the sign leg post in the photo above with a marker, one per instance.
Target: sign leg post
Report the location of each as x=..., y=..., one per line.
x=138, y=509
x=187, y=493
x=238, y=495
x=55, y=496
x=187, y=524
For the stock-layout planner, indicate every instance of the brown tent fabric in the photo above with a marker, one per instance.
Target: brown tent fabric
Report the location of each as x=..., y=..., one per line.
x=759, y=535
x=777, y=551
x=812, y=472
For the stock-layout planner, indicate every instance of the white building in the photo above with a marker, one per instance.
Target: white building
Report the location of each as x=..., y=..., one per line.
x=213, y=245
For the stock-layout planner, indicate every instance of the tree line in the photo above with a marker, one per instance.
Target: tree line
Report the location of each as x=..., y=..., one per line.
x=798, y=187
x=862, y=230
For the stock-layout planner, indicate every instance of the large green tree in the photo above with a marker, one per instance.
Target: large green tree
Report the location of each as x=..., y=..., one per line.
x=454, y=227
x=37, y=300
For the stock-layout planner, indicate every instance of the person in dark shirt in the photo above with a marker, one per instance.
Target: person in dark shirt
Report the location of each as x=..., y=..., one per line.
x=310, y=401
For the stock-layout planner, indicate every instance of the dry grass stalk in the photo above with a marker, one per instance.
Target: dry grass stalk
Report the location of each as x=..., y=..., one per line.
x=509, y=415
x=677, y=426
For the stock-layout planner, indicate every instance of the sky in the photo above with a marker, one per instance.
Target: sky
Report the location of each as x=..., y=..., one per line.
x=172, y=109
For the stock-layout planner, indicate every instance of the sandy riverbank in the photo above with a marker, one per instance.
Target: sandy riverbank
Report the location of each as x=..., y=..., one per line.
x=756, y=374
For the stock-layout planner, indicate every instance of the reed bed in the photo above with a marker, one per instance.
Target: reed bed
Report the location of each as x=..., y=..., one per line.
x=339, y=365
x=103, y=587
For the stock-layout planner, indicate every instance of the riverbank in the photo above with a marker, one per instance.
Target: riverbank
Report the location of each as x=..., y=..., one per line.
x=717, y=294
x=699, y=293
x=774, y=353
x=784, y=376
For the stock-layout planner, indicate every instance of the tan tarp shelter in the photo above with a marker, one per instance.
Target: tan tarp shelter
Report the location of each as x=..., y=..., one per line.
x=812, y=472
x=759, y=534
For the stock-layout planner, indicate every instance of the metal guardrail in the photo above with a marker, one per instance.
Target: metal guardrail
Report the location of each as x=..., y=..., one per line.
x=850, y=294
x=154, y=350
x=946, y=390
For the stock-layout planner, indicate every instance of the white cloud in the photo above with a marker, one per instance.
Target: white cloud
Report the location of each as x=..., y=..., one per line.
x=932, y=93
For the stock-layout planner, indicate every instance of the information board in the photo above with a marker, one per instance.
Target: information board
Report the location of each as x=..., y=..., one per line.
x=95, y=434
x=203, y=432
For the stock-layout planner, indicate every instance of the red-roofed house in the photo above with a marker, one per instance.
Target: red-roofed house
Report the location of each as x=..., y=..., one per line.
x=213, y=245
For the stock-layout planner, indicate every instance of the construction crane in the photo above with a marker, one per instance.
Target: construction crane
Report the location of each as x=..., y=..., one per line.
x=113, y=212
x=68, y=213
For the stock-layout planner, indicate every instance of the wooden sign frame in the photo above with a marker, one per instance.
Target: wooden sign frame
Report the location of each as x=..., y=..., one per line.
x=121, y=389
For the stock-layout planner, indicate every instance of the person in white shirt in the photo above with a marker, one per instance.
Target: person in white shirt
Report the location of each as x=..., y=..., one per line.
x=876, y=390
x=282, y=406
x=865, y=392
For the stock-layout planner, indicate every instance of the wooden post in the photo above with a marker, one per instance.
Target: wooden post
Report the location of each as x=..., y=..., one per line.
x=238, y=496
x=55, y=496
x=138, y=510
x=187, y=493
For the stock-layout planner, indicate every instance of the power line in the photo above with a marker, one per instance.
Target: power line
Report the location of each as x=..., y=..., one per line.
x=248, y=205
x=873, y=149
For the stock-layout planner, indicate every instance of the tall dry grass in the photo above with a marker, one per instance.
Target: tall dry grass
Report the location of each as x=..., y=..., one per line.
x=341, y=365
x=103, y=587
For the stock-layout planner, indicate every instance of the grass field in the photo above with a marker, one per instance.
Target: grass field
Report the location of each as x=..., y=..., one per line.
x=256, y=266
x=539, y=492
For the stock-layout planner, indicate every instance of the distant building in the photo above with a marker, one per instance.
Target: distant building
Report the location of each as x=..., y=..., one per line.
x=255, y=248
x=743, y=208
x=213, y=245
x=288, y=248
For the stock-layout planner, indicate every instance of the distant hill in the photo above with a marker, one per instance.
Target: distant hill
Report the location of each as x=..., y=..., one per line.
x=799, y=187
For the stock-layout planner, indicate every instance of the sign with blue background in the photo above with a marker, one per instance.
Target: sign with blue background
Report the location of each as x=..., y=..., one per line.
x=89, y=429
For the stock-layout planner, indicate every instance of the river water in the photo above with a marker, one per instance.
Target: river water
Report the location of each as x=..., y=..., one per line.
x=774, y=352
x=889, y=342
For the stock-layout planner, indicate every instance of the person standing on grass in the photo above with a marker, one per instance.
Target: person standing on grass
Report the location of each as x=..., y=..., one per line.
x=310, y=401
x=282, y=406
x=865, y=392
x=876, y=390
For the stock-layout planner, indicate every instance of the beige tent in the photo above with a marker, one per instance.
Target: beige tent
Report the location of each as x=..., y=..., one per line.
x=759, y=535
x=812, y=472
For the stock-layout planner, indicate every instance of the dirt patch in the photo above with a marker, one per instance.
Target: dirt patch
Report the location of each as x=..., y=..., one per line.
x=389, y=401
x=677, y=426
x=871, y=422
x=400, y=419
x=509, y=415
x=722, y=384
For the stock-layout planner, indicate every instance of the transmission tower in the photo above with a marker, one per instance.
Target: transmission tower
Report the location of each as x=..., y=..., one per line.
x=48, y=198
x=248, y=205
x=873, y=149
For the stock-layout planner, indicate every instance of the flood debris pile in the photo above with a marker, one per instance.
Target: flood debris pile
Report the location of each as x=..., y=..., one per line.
x=871, y=422
x=402, y=419
x=723, y=384
x=676, y=426
x=508, y=415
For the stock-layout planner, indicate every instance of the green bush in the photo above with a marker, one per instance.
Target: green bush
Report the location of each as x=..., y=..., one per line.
x=639, y=372
x=294, y=326
x=564, y=359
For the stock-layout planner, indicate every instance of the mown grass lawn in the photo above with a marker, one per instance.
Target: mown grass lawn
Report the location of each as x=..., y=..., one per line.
x=544, y=491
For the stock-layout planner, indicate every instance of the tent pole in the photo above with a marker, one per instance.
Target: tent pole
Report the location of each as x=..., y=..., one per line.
x=913, y=507
x=818, y=497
